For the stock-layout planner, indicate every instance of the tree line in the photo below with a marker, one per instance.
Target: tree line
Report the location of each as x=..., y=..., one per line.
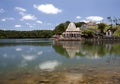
x=26, y=34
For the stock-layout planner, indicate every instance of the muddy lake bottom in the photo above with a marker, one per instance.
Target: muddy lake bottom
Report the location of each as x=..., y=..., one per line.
x=73, y=75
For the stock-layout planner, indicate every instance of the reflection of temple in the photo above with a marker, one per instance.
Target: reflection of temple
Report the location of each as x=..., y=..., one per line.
x=72, y=47
x=82, y=49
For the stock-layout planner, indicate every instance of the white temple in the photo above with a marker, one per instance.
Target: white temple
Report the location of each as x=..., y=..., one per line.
x=72, y=32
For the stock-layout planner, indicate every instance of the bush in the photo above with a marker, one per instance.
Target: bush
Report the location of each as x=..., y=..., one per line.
x=88, y=33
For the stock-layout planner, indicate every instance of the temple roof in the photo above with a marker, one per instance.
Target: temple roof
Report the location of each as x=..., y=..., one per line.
x=72, y=27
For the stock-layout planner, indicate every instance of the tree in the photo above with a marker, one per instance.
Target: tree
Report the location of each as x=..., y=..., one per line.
x=101, y=26
x=59, y=29
x=79, y=24
x=110, y=20
x=26, y=34
x=117, y=32
x=114, y=20
x=87, y=33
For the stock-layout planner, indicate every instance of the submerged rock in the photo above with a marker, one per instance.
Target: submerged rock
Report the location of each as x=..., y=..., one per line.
x=43, y=82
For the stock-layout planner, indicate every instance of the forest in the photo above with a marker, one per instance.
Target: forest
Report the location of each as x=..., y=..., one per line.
x=25, y=34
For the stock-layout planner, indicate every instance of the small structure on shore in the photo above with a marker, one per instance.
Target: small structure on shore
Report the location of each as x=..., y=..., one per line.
x=109, y=33
x=71, y=33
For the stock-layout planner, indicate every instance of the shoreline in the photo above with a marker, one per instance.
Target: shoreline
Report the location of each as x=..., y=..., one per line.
x=88, y=39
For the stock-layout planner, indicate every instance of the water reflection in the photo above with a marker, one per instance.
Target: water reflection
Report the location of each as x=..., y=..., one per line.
x=29, y=57
x=18, y=49
x=15, y=42
x=49, y=65
x=71, y=48
x=20, y=54
x=90, y=50
x=45, y=55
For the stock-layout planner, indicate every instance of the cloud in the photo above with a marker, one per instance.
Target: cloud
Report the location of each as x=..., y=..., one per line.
x=78, y=17
x=3, y=19
x=22, y=13
x=94, y=18
x=2, y=10
x=47, y=8
x=38, y=21
x=25, y=16
x=18, y=26
x=20, y=9
x=30, y=25
x=6, y=19
x=86, y=21
x=28, y=17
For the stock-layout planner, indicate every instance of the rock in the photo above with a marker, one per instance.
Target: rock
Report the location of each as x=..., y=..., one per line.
x=61, y=82
x=43, y=82
x=82, y=81
x=14, y=78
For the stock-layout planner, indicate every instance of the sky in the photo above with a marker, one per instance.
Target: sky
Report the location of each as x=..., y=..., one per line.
x=26, y=15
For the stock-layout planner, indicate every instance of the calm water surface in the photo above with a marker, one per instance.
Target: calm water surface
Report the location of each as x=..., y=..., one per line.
x=43, y=54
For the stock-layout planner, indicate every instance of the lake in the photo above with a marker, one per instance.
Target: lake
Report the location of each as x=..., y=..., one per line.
x=24, y=59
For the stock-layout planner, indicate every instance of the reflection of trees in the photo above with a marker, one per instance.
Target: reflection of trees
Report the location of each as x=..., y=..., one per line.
x=99, y=50
x=93, y=49
x=17, y=42
x=59, y=49
x=88, y=49
x=25, y=43
x=116, y=49
x=68, y=48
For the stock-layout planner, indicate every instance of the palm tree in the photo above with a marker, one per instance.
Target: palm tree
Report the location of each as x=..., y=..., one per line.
x=110, y=19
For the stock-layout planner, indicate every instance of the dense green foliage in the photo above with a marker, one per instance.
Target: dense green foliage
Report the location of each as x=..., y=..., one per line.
x=87, y=33
x=26, y=34
x=101, y=26
x=59, y=29
x=79, y=24
x=117, y=32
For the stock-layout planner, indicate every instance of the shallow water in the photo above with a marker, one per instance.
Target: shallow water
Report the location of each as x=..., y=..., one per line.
x=35, y=56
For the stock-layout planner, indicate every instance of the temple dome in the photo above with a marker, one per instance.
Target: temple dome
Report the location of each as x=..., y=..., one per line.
x=71, y=27
x=78, y=29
